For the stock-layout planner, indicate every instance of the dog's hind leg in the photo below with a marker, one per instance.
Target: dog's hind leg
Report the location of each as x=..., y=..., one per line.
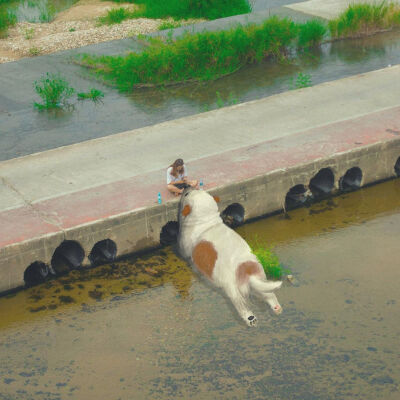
x=239, y=303
x=263, y=289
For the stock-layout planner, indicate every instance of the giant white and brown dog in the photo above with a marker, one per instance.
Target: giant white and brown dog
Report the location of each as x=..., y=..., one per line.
x=222, y=255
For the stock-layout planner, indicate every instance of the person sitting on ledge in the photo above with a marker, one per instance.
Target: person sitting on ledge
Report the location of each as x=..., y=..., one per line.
x=177, y=178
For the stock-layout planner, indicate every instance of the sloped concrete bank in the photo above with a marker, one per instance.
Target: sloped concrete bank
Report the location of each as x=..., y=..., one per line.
x=97, y=200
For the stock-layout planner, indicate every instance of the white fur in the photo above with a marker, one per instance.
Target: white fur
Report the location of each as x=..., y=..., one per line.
x=204, y=223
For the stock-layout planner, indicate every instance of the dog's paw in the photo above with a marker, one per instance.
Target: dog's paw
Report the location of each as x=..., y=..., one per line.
x=251, y=320
x=277, y=309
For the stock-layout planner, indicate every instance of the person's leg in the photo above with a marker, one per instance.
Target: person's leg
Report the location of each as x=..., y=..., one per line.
x=173, y=189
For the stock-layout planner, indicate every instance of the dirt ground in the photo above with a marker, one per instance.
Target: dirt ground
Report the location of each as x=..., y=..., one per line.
x=71, y=28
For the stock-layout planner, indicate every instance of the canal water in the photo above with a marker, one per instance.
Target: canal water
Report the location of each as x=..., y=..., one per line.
x=149, y=328
x=23, y=130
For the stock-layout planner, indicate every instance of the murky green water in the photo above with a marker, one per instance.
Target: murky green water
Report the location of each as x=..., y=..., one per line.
x=148, y=328
x=38, y=10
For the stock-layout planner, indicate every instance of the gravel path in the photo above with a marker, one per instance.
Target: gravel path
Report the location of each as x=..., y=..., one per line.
x=75, y=27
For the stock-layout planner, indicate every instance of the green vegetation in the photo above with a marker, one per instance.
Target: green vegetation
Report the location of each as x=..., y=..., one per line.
x=210, y=55
x=311, y=33
x=54, y=92
x=169, y=25
x=116, y=16
x=184, y=9
x=34, y=51
x=93, y=94
x=363, y=19
x=7, y=19
x=29, y=33
x=195, y=57
x=47, y=13
x=270, y=262
x=302, y=81
x=230, y=101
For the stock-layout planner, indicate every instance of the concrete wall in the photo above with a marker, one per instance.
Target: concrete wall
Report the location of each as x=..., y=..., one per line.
x=140, y=229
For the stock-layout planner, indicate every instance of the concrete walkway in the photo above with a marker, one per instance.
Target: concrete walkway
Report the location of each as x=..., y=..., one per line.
x=107, y=188
x=59, y=172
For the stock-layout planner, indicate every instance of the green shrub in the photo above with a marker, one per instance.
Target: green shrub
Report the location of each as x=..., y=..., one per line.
x=270, y=262
x=183, y=9
x=365, y=18
x=6, y=19
x=200, y=56
x=53, y=90
x=311, y=33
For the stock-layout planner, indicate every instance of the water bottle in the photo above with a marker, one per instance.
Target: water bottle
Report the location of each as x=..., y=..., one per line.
x=159, y=198
x=201, y=184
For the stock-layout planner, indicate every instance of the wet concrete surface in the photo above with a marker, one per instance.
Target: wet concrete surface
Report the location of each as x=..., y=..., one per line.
x=23, y=130
x=148, y=328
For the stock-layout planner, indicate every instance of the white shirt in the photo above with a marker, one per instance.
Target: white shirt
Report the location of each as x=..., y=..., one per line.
x=172, y=179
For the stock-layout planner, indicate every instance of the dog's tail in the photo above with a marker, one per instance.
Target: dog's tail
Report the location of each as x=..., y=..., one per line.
x=262, y=285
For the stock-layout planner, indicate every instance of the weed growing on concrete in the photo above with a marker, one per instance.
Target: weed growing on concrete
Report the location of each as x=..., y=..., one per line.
x=301, y=81
x=71, y=30
x=195, y=57
x=311, y=34
x=270, y=262
x=364, y=19
x=94, y=95
x=54, y=92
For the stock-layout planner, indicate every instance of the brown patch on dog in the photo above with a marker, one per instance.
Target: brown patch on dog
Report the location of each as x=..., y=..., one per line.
x=204, y=256
x=244, y=270
x=186, y=210
x=217, y=199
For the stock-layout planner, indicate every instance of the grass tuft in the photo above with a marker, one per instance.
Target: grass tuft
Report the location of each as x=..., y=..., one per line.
x=270, y=262
x=54, y=92
x=169, y=25
x=311, y=34
x=195, y=57
x=364, y=19
x=115, y=16
x=94, y=95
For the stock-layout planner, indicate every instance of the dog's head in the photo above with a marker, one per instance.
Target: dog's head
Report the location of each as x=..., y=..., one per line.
x=197, y=206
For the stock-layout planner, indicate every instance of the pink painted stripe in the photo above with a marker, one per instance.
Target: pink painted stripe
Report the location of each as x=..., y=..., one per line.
x=141, y=191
